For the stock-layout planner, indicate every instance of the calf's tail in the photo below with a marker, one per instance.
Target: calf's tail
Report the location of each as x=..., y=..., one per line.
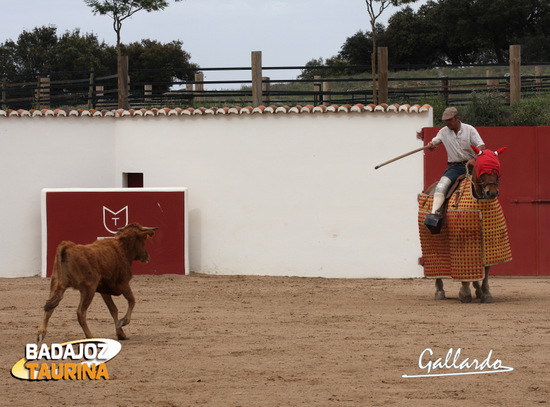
x=58, y=276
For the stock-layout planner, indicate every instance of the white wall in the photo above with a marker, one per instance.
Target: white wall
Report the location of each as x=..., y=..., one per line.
x=271, y=194
x=38, y=153
x=288, y=194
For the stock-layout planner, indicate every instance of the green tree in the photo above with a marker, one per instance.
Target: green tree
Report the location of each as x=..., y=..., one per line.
x=76, y=52
x=120, y=10
x=355, y=51
x=375, y=12
x=8, y=66
x=34, y=50
x=504, y=22
x=42, y=51
x=410, y=39
x=149, y=56
x=469, y=31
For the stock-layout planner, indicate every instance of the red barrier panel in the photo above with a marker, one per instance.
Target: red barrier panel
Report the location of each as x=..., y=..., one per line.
x=85, y=215
x=524, y=192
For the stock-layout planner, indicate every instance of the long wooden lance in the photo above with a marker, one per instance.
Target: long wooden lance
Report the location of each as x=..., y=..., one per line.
x=403, y=156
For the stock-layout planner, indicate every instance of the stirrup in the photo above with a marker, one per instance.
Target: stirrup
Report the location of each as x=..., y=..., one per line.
x=434, y=222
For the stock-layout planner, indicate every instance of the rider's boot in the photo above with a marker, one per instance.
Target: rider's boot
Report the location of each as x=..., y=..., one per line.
x=434, y=221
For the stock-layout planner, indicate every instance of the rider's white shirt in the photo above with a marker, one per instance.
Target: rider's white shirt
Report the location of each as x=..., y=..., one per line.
x=458, y=145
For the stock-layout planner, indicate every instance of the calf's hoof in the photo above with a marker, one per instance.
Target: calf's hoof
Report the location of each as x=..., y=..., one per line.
x=122, y=322
x=121, y=335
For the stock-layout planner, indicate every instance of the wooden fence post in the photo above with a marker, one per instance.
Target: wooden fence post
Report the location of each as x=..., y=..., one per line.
x=199, y=79
x=382, y=74
x=444, y=88
x=43, y=93
x=189, y=92
x=317, y=96
x=266, y=89
x=199, y=87
x=4, y=94
x=492, y=84
x=147, y=92
x=99, y=93
x=37, y=94
x=538, y=78
x=327, y=88
x=123, y=80
x=256, y=65
x=515, y=74
x=91, y=89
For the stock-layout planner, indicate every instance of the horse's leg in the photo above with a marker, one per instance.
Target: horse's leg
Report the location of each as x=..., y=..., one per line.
x=465, y=294
x=439, y=291
x=478, y=288
x=486, y=297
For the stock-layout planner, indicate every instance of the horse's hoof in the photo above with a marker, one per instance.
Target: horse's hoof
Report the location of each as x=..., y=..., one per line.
x=440, y=295
x=465, y=298
x=487, y=299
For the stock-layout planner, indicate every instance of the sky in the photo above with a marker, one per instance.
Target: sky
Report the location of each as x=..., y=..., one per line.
x=217, y=33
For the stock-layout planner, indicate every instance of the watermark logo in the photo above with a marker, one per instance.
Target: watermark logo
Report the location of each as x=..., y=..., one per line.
x=455, y=365
x=115, y=220
x=77, y=360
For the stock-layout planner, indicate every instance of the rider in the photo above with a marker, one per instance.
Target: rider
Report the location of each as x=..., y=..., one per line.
x=457, y=138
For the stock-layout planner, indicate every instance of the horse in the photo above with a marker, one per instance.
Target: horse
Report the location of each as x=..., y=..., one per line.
x=474, y=236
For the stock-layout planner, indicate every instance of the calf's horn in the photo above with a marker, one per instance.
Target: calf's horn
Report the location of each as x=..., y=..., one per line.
x=142, y=228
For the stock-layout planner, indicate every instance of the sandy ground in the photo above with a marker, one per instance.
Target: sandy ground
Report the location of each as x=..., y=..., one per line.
x=271, y=341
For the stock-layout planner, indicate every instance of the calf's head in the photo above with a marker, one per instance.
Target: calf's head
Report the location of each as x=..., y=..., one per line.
x=133, y=238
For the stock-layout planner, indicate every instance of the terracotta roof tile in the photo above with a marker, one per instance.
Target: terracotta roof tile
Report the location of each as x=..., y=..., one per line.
x=249, y=110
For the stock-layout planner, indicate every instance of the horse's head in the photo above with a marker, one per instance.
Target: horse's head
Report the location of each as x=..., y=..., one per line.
x=487, y=172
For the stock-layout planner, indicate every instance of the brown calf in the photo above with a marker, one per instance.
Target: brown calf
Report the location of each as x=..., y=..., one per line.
x=104, y=267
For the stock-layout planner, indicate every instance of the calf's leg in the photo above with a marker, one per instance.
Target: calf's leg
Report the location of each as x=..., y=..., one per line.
x=127, y=292
x=86, y=297
x=114, y=313
x=56, y=295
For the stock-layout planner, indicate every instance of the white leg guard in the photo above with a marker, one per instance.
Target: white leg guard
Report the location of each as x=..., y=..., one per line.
x=439, y=199
x=440, y=192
